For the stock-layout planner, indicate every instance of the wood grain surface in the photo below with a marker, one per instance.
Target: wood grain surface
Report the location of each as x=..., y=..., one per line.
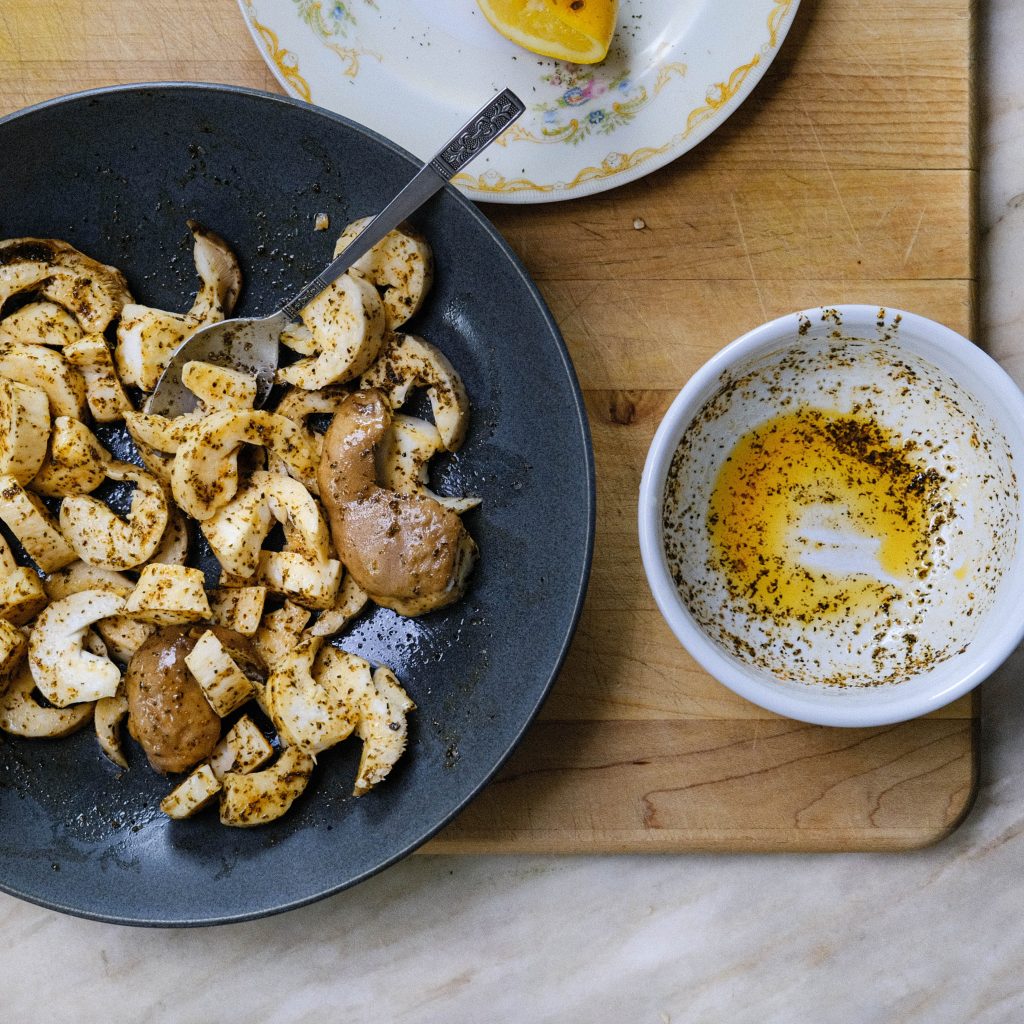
x=849, y=176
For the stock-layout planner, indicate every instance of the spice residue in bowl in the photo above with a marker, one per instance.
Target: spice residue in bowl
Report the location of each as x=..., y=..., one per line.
x=840, y=512
x=808, y=500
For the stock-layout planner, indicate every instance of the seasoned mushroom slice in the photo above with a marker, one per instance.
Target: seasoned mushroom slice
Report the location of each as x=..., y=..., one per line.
x=93, y=643
x=243, y=748
x=300, y=578
x=304, y=570
x=174, y=544
x=219, y=272
x=261, y=797
x=41, y=367
x=313, y=712
x=218, y=387
x=406, y=551
x=192, y=795
x=21, y=596
x=290, y=503
x=159, y=432
x=24, y=429
x=225, y=686
x=299, y=338
x=204, y=476
x=382, y=727
x=36, y=530
x=13, y=647
x=405, y=456
x=103, y=391
x=93, y=292
x=168, y=595
x=121, y=635
x=76, y=463
x=157, y=436
x=64, y=671
x=238, y=608
x=409, y=362
x=22, y=715
x=237, y=530
x=279, y=632
x=292, y=506
x=148, y=337
x=80, y=576
x=21, y=593
x=347, y=325
x=101, y=537
x=40, y=323
x=299, y=405
x=350, y=601
x=110, y=711
x=400, y=265
x=158, y=463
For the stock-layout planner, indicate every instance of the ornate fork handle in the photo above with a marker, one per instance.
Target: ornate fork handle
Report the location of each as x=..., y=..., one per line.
x=486, y=125
x=478, y=133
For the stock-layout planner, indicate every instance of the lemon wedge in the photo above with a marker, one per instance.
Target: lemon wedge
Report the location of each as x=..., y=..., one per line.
x=575, y=30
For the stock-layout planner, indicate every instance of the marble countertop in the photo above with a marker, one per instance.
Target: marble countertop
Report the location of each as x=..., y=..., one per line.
x=933, y=936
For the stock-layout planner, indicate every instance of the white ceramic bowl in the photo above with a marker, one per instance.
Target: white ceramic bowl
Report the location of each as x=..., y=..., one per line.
x=973, y=601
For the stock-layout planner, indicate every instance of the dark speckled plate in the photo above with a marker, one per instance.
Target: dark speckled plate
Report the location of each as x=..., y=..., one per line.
x=116, y=173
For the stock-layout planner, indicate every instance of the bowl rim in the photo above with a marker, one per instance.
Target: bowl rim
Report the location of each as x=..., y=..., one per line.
x=954, y=677
x=588, y=516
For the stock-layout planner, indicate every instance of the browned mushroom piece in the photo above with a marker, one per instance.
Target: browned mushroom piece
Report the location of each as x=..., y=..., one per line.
x=406, y=551
x=167, y=712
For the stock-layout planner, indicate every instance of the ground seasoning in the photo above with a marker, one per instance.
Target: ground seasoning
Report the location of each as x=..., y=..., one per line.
x=840, y=511
x=790, y=483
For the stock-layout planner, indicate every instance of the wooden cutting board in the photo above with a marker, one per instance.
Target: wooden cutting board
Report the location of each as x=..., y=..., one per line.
x=849, y=176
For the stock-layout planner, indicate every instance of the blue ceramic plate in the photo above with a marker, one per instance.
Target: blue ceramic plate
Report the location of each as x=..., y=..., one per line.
x=117, y=172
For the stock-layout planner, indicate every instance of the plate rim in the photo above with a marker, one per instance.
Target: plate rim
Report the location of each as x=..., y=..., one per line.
x=589, y=519
x=639, y=169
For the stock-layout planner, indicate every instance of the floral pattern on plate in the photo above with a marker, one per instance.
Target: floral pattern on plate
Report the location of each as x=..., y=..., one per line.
x=591, y=102
x=677, y=69
x=332, y=21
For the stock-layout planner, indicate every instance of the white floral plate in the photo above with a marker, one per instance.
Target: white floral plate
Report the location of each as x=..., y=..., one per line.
x=411, y=69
